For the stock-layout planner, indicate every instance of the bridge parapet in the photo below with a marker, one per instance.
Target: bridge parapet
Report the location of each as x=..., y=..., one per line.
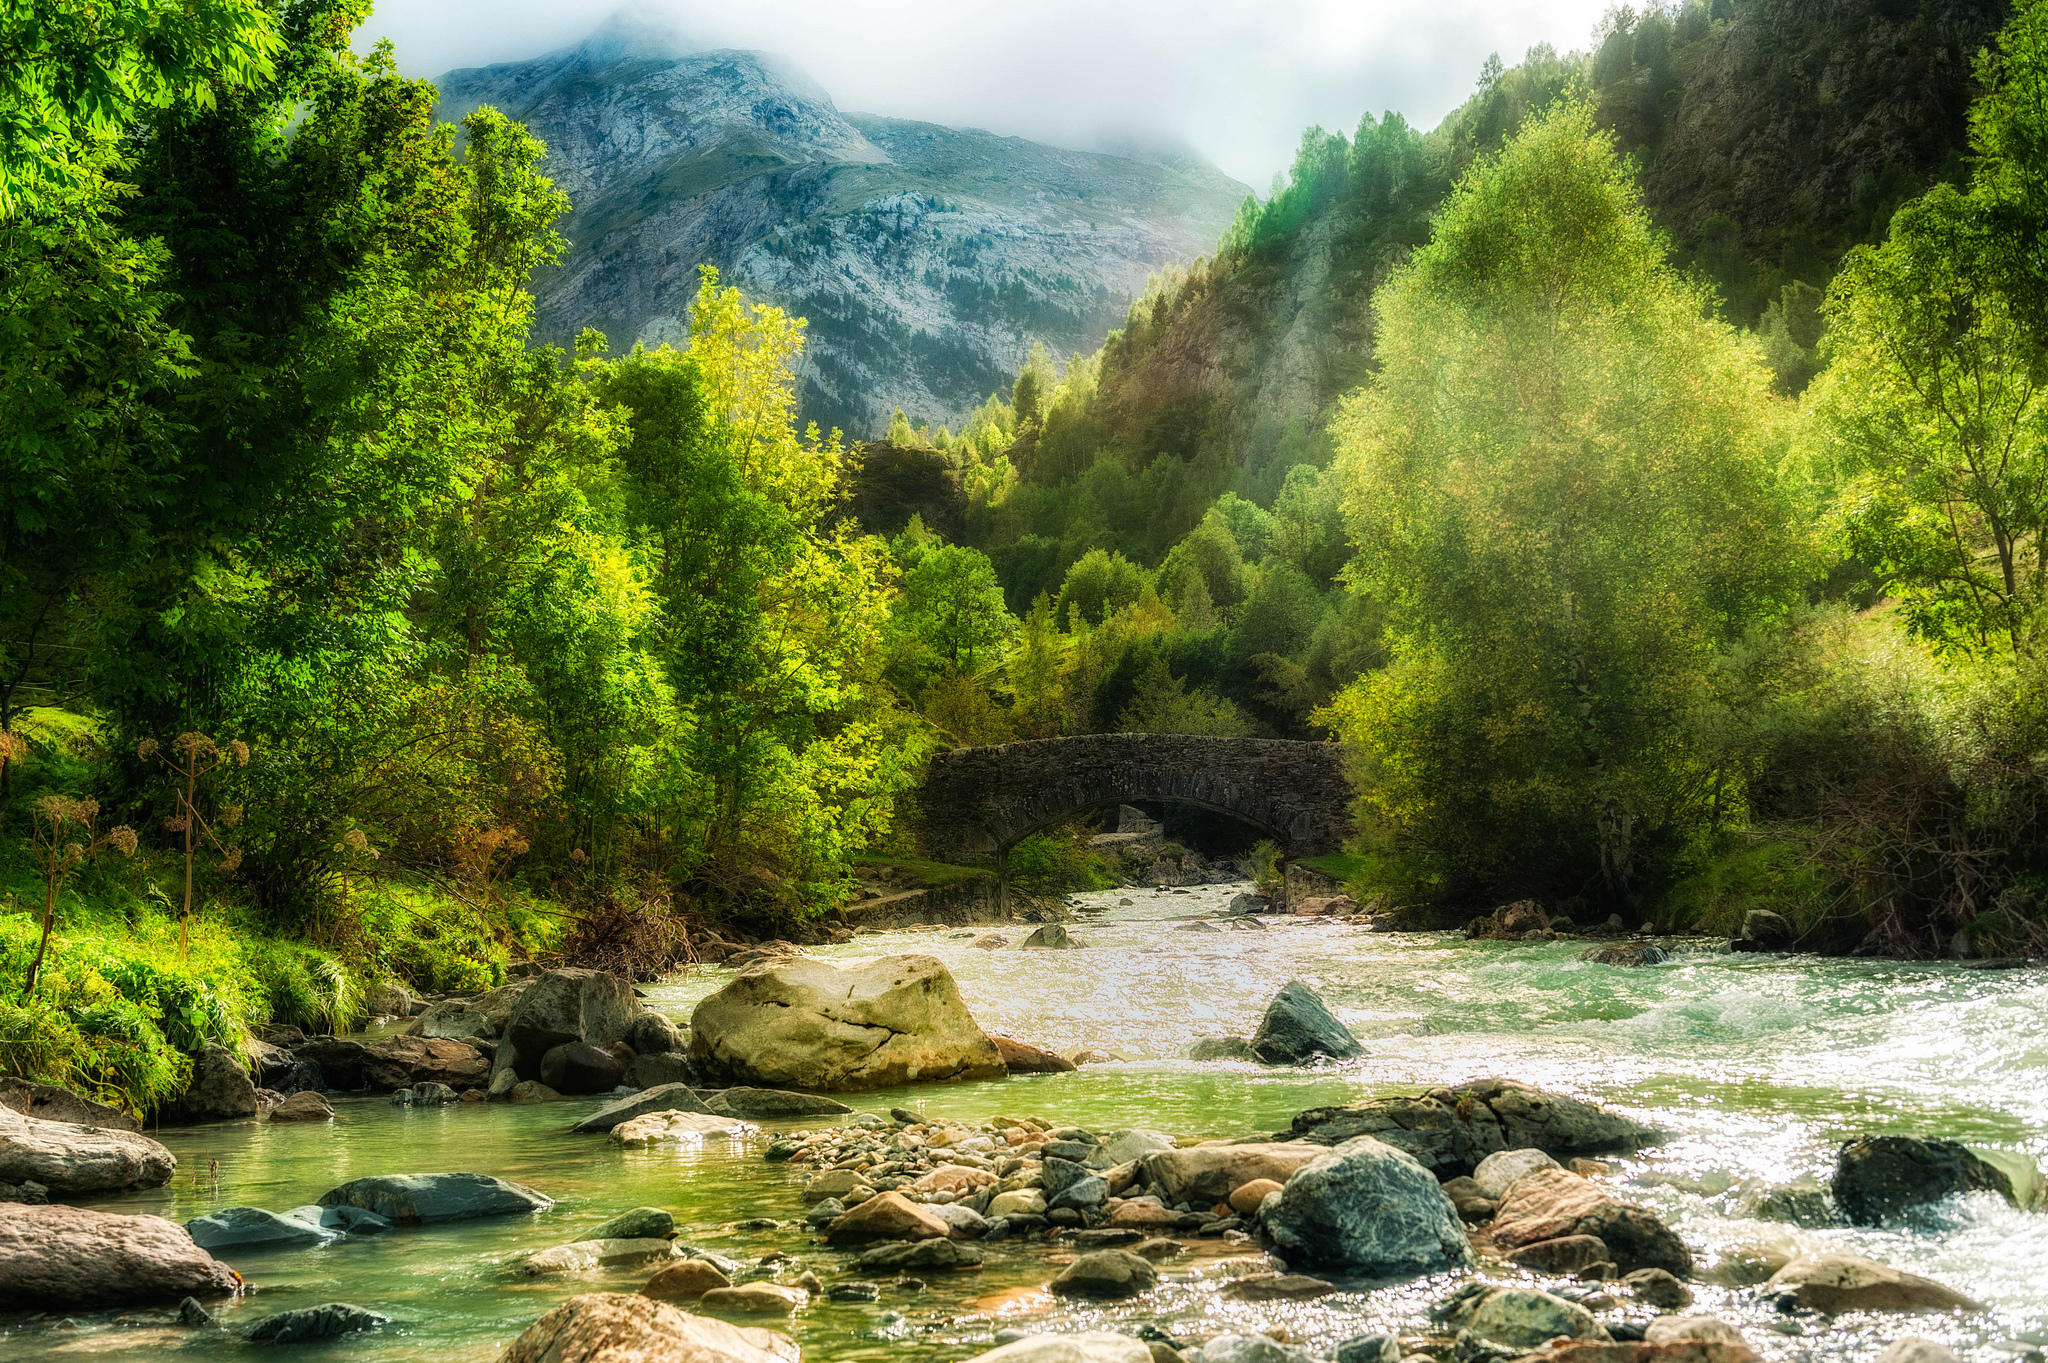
x=976, y=803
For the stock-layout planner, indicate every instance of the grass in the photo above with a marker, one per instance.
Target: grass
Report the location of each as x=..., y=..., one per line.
x=1343, y=867
x=930, y=874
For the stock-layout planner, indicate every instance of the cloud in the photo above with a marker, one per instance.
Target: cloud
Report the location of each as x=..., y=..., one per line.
x=1238, y=82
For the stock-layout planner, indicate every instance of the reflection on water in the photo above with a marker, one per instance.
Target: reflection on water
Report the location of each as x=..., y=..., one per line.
x=1755, y=1067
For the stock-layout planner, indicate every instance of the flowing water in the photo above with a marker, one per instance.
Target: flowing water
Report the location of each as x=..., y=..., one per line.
x=1755, y=1066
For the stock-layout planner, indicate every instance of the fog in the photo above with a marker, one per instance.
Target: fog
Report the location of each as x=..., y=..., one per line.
x=1236, y=82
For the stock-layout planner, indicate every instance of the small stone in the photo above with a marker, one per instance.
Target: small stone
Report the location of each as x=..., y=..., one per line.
x=1655, y=1287
x=752, y=1299
x=314, y=1322
x=1245, y=1199
x=1107, y=1274
x=685, y=1280
x=1370, y=1349
x=1277, y=1287
x=641, y=1223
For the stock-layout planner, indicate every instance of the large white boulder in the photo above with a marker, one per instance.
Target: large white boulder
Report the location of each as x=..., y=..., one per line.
x=800, y=1023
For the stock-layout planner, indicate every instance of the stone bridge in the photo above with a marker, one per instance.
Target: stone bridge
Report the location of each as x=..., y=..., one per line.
x=977, y=803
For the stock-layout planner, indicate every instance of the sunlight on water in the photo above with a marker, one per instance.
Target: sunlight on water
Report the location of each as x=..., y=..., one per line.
x=1754, y=1067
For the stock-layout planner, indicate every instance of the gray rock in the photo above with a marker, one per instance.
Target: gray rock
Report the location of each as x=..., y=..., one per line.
x=1880, y=1178
x=1451, y=1129
x=71, y=1160
x=341, y=1220
x=653, y=1033
x=49, y=1103
x=920, y=1256
x=561, y=1006
x=641, y=1223
x=1369, y=1209
x=313, y=1322
x=666, y=1098
x=759, y=1102
x=1913, y=1349
x=1068, y=1184
x=577, y=1067
x=1767, y=931
x=1249, y=1349
x=55, y=1258
x=1106, y=1274
x=1126, y=1146
x=454, y=1020
x=1050, y=936
x=653, y=1071
x=1298, y=1027
x=220, y=1091
x=396, y=1062
x=1497, y=1172
x=1519, y=1317
x=252, y=1227
x=428, y=1199
x=432, y=1094
x=1657, y=1287
x=1221, y=1048
x=966, y=1223
x=1370, y=1349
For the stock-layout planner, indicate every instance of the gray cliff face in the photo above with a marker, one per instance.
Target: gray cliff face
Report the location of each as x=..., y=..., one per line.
x=928, y=259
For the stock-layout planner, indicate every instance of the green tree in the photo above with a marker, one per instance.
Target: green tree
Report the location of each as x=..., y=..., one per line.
x=953, y=607
x=1562, y=482
x=1101, y=583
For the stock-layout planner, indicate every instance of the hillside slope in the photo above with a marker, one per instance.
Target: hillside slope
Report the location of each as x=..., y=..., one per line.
x=928, y=259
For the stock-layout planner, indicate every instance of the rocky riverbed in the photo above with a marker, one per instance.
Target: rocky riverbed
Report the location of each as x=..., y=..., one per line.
x=935, y=1220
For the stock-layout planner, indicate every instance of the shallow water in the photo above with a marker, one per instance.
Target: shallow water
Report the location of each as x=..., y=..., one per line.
x=1756, y=1068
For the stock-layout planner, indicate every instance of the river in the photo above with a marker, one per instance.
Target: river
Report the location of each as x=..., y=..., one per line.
x=1755, y=1066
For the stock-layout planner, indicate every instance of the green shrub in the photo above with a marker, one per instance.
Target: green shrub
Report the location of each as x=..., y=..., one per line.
x=1721, y=883
x=1056, y=863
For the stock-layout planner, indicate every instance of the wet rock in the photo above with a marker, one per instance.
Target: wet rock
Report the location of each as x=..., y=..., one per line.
x=568, y=1005
x=1510, y=921
x=1143, y=1214
x=1051, y=936
x=1678, y=1329
x=340, y=1220
x=1879, y=1178
x=921, y=1256
x=1452, y=1129
x=1245, y=1198
x=953, y=1178
x=1096, y=1347
x=685, y=1280
x=1626, y=954
x=1683, y=1351
x=837, y=1183
x=1298, y=1026
x=1125, y=1146
x=70, y=1160
x=1551, y=1203
x=613, y=1327
x=303, y=1106
x=49, y=1103
x=1474, y=1207
x=1106, y=1274
x=753, y=1299
x=30, y=1193
x=1021, y=1057
x=990, y=941
x=1498, y=1172
x=1565, y=1255
x=1018, y=1202
x=1800, y=1204
x=56, y=1258
x=1370, y=1349
x=886, y=1216
x=1763, y=930
x=396, y=1062
x=252, y=1227
x=656, y=1128
x=666, y=1098
x=220, y=1091
x=429, y=1199
x=577, y=1067
x=1368, y=1209
x=334, y=1319
x=647, y=1071
x=1913, y=1349
x=1518, y=1317
x=533, y=1091
x=1068, y=1184
x=1248, y=1349
x=759, y=1103
x=641, y=1223
x=582, y=1256
x=1208, y=1174
x=454, y=1020
x=653, y=1033
x=1276, y=1287
x=192, y=1315
x=1836, y=1283
x=807, y=1024
x=1221, y=1048
x=1655, y=1287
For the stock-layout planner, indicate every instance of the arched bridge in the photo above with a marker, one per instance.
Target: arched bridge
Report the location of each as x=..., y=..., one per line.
x=978, y=802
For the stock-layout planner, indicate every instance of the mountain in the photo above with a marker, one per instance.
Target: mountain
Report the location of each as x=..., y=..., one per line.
x=928, y=259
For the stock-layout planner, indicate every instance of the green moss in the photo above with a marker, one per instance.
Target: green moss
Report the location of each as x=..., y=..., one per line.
x=930, y=874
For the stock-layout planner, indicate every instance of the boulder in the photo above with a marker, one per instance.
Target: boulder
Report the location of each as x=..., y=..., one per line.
x=1094, y=1347
x=803, y=1023
x=1626, y=954
x=613, y=1327
x=1677, y=1329
x=334, y=1319
x=1298, y=1026
x=55, y=1258
x=641, y=1223
x=1518, y=1317
x=428, y=1199
x=454, y=1020
x=532, y=1091
x=1495, y=1174
x=1021, y=1057
x=1655, y=1287
x=1246, y=1198
x=1836, y=1283
x=220, y=1091
x=577, y=1067
x=1018, y=1202
x=1126, y=1146
x=254, y=1228
x=657, y=1069
x=684, y=1280
x=53, y=1104
x=571, y=1004
x=583, y=1256
x=653, y=1033
x=757, y=1102
x=303, y=1106
x=1221, y=1048
x=1207, y=1174
x=1763, y=930
x=1368, y=1209
x=659, y=1128
x=1370, y=1349
x=1879, y=1178
x=1510, y=921
x=1051, y=936
x=1451, y=1129
x=1555, y=1202
x=1106, y=1274
x=1231, y=1348
x=666, y=1098
x=990, y=941
x=886, y=1216
x=754, y=1299
x=70, y=1160
x=396, y=1062
x=340, y=1220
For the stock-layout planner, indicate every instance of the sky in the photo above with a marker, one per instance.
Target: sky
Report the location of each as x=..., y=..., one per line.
x=1237, y=82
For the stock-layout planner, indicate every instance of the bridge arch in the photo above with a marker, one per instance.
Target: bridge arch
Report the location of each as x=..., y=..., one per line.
x=976, y=803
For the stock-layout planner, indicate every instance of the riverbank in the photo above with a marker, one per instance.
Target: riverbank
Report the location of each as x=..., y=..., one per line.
x=1754, y=1068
